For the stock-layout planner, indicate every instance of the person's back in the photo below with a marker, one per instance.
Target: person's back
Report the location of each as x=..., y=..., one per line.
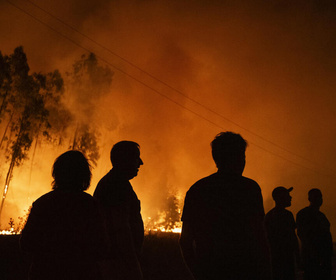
x=227, y=207
x=313, y=229
x=64, y=236
x=280, y=225
x=65, y=233
x=222, y=233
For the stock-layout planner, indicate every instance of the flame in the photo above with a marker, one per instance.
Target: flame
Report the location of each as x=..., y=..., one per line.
x=162, y=225
x=10, y=231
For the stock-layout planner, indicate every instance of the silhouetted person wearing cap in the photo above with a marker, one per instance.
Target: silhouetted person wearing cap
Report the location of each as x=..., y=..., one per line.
x=313, y=229
x=121, y=208
x=280, y=226
x=223, y=235
x=65, y=231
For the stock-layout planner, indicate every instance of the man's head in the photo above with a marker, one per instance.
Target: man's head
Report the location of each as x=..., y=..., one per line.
x=315, y=198
x=125, y=156
x=228, y=152
x=282, y=197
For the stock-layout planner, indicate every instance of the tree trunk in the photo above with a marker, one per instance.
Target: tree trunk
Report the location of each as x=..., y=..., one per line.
x=4, y=135
x=3, y=105
x=32, y=159
x=6, y=187
x=10, y=172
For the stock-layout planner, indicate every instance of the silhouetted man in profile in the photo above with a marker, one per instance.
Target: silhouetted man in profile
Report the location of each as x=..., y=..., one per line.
x=280, y=226
x=223, y=235
x=121, y=209
x=313, y=229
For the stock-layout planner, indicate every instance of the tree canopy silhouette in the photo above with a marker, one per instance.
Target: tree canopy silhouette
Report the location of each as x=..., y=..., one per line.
x=26, y=103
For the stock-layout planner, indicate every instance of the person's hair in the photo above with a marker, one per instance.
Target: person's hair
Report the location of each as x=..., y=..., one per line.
x=313, y=193
x=122, y=151
x=71, y=171
x=227, y=146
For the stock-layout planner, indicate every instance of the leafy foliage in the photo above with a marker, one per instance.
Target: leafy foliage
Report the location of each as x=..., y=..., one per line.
x=26, y=103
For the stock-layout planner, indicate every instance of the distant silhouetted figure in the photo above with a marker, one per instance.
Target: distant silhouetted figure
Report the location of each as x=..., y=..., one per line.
x=65, y=231
x=280, y=226
x=223, y=235
x=121, y=207
x=313, y=229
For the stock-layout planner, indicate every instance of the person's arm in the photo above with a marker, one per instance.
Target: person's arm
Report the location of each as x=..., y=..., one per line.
x=31, y=237
x=295, y=241
x=260, y=236
x=122, y=243
x=187, y=248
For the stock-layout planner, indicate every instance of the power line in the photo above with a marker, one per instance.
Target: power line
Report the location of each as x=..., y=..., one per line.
x=155, y=90
x=166, y=84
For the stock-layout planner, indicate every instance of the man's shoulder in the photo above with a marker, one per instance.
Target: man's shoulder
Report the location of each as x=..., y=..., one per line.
x=250, y=182
x=103, y=182
x=44, y=198
x=304, y=215
x=276, y=213
x=201, y=184
x=270, y=212
x=303, y=211
x=107, y=177
x=217, y=180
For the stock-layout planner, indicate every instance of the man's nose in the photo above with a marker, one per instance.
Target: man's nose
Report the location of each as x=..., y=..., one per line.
x=141, y=162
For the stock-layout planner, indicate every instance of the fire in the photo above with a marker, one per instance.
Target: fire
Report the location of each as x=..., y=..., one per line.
x=10, y=231
x=162, y=225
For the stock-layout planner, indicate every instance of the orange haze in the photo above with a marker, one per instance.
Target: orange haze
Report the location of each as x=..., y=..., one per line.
x=266, y=69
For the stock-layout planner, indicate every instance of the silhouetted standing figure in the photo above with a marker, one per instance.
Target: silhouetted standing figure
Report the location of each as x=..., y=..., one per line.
x=65, y=231
x=223, y=235
x=313, y=229
x=121, y=208
x=280, y=226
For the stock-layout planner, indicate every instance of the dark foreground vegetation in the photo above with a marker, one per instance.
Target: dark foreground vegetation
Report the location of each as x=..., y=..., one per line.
x=161, y=259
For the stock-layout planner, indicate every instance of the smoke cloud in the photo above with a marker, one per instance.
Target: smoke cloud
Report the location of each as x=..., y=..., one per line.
x=262, y=69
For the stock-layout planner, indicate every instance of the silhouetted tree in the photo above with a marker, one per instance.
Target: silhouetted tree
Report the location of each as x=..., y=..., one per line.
x=172, y=212
x=5, y=81
x=168, y=216
x=27, y=101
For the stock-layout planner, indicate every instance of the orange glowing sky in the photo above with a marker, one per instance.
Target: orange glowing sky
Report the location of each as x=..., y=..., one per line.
x=264, y=69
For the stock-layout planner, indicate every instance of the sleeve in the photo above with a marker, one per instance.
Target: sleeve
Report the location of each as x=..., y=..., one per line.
x=190, y=209
x=33, y=234
x=260, y=202
x=305, y=228
x=261, y=247
x=188, y=234
x=98, y=246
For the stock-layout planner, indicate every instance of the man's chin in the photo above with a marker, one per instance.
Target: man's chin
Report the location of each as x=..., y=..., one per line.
x=133, y=175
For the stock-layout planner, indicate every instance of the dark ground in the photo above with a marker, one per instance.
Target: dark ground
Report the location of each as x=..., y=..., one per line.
x=161, y=259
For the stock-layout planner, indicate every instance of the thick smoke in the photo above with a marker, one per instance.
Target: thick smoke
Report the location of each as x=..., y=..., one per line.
x=265, y=69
